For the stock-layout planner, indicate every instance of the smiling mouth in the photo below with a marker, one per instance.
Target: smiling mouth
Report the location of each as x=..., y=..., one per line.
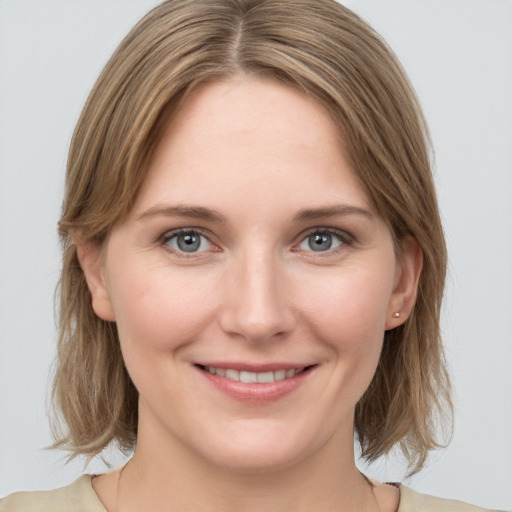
x=254, y=377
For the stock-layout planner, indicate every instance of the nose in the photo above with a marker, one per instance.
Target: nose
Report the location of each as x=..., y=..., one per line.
x=256, y=302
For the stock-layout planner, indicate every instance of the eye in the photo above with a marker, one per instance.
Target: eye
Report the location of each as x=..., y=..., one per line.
x=324, y=240
x=187, y=241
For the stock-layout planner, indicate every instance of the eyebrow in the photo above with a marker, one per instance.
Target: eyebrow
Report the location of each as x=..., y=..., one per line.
x=332, y=211
x=190, y=212
x=207, y=214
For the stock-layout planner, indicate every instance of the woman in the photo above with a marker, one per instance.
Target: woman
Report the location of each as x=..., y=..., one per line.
x=253, y=267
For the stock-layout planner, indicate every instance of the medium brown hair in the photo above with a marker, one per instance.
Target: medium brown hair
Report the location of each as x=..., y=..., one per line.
x=324, y=50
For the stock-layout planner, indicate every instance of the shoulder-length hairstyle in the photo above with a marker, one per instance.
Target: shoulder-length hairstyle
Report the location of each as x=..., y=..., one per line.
x=329, y=53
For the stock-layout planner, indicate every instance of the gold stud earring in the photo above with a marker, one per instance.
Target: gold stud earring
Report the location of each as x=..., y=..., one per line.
x=396, y=315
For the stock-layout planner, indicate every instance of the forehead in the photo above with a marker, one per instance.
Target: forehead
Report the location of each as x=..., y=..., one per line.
x=245, y=102
x=232, y=135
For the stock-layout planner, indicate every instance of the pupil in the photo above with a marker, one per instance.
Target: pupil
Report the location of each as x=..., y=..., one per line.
x=189, y=243
x=321, y=242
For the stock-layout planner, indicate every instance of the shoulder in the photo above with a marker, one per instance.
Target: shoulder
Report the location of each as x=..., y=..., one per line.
x=77, y=497
x=412, y=501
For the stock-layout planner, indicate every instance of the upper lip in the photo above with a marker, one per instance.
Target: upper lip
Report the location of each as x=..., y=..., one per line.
x=256, y=368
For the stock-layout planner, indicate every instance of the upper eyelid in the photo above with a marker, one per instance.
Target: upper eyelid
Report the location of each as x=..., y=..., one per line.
x=343, y=234
x=167, y=235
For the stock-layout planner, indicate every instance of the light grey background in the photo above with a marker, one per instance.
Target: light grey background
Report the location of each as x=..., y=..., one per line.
x=459, y=56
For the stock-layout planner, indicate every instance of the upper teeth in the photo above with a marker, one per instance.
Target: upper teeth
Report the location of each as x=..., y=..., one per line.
x=250, y=377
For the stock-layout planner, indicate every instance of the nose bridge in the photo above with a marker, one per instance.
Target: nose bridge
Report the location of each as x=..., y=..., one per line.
x=256, y=305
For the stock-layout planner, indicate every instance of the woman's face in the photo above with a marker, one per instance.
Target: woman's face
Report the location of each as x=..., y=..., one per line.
x=252, y=282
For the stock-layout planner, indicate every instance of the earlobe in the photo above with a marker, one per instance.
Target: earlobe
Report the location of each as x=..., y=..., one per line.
x=90, y=258
x=405, y=288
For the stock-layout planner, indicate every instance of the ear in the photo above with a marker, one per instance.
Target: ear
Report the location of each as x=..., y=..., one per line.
x=90, y=256
x=408, y=271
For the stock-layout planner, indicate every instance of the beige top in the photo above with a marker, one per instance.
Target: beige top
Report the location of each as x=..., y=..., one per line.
x=80, y=497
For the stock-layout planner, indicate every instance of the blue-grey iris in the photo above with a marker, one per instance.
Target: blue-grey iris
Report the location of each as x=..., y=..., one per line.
x=320, y=241
x=189, y=242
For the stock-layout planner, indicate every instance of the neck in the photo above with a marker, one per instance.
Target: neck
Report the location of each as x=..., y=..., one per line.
x=171, y=477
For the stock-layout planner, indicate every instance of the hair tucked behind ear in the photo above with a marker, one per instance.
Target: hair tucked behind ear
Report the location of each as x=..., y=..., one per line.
x=324, y=50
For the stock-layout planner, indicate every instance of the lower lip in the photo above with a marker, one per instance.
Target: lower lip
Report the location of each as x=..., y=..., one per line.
x=257, y=392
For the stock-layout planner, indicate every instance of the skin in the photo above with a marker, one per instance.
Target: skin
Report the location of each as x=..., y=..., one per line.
x=263, y=157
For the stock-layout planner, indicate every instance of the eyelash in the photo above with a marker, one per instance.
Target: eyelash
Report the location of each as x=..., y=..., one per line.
x=166, y=238
x=343, y=237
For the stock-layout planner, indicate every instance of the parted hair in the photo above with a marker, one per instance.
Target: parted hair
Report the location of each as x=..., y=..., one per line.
x=329, y=53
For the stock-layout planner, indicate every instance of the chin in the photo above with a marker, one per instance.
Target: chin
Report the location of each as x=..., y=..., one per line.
x=260, y=461
x=262, y=450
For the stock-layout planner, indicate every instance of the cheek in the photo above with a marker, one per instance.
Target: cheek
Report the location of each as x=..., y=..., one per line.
x=350, y=308
x=349, y=318
x=159, y=309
